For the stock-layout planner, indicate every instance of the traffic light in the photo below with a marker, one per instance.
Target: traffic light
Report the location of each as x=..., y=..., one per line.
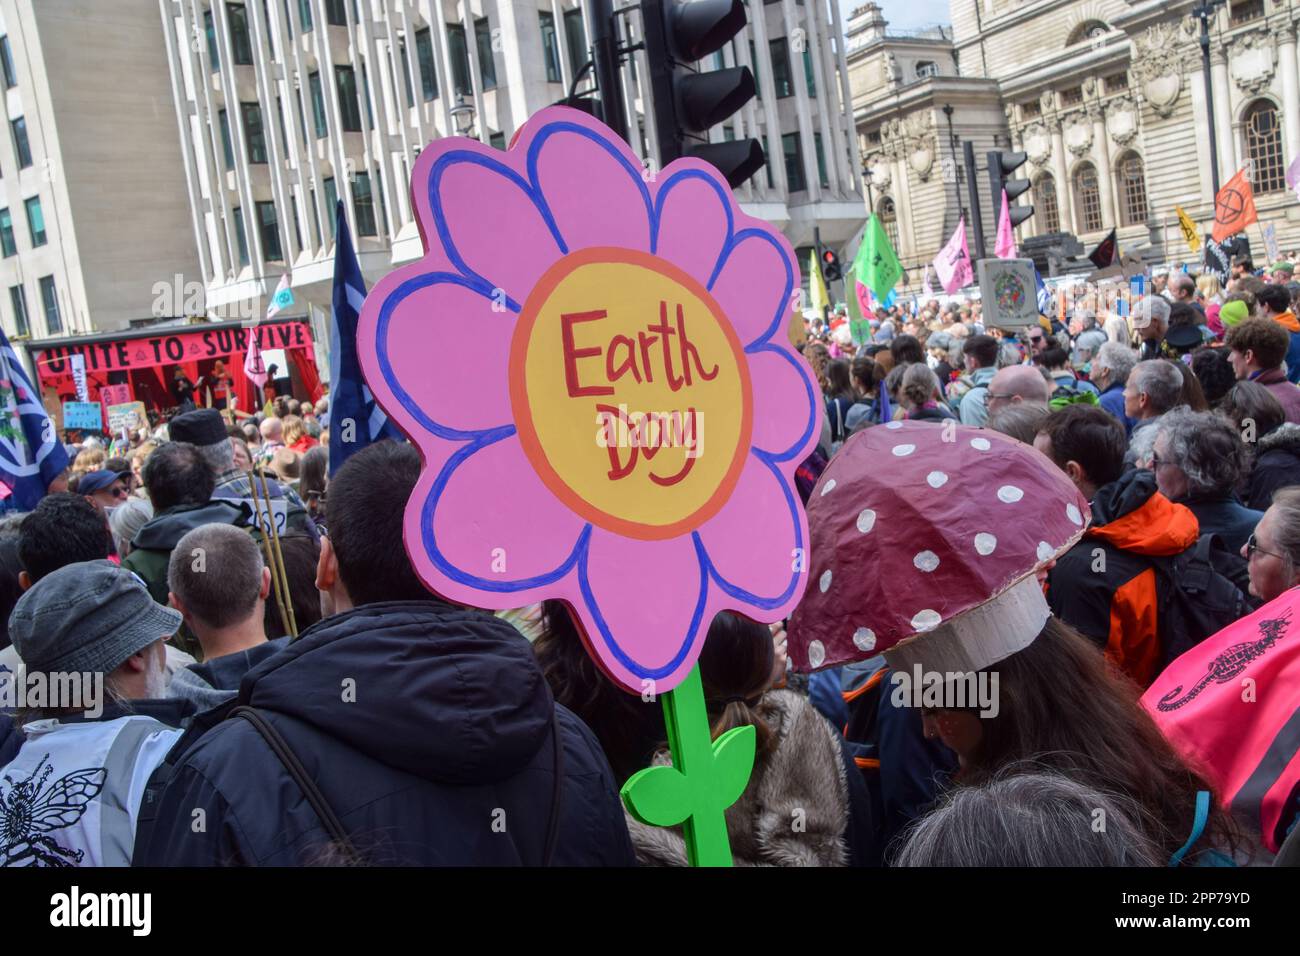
x=830, y=265
x=1001, y=166
x=688, y=101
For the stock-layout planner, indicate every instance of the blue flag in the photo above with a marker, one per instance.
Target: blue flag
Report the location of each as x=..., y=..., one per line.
x=355, y=420
x=31, y=455
x=1044, y=296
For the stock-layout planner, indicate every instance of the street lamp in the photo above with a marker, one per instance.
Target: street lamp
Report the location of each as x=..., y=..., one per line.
x=867, y=174
x=462, y=115
x=1203, y=12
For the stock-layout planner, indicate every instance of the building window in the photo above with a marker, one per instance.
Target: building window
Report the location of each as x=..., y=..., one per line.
x=873, y=137
x=793, y=162
x=887, y=213
x=241, y=238
x=315, y=215
x=459, y=58
x=336, y=13
x=304, y=14
x=50, y=300
x=821, y=161
x=318, y=105
x=254, y=132
x=210, y=29
x=7, y=63
x=297, y=221
x=302, y=117
x=1031, y=109
x=808, y=73
x=550, y=47
x=36, y=221
x=227, y=149
x=406, y=73
x=1088, y=30
x=7, y=243
x=1264, y=148
x=268, y=224
x=1045, y=203
x=487, y=66
x=363, y=204
x=240, y=45
x=365, y=96
x=1132, y=189
x=279, y=118
x=1087, y=198
x=19, y=302
x=575, y=35
x=21, y=146
x=926, y=68
x=1245, y=11
x=288, y=20
x=753, y=68
x=1116, y=82
x=428, y=68
x=331, y=202
x=767, y=164
x=345, y=84
x=781, y=67
x=497, y=140
x=1072, y=97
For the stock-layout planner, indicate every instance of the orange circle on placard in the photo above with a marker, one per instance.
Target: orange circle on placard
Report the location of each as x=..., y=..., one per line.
x=551, y=419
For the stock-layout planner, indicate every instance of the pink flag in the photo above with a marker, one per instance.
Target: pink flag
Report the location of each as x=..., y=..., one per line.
x=926, y=289
x=253, y=365
x=1206, y=706
x=952, y=264
x=1006, y=245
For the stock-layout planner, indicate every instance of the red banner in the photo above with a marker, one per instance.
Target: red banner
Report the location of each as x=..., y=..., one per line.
x=172, y=349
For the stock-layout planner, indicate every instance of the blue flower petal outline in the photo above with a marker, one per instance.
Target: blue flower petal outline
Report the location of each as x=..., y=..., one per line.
x=611, y=642
x=687, y=175
x=737, y=592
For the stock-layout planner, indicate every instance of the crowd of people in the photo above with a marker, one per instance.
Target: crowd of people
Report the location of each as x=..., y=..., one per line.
x=377, y=724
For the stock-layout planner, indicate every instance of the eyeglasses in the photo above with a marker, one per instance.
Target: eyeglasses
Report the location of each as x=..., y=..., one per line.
x=1001, y=398
x=1252, y=548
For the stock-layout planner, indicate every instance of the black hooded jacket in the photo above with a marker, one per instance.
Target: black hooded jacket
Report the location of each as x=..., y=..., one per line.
x=428, y=729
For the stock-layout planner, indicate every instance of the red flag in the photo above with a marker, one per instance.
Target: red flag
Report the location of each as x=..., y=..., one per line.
x=1234, y=207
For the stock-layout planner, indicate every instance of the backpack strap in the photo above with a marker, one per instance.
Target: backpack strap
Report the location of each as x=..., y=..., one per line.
x=280, y=747
x=1198, y=827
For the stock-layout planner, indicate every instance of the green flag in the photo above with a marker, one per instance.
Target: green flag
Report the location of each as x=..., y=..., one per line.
x=876, y=264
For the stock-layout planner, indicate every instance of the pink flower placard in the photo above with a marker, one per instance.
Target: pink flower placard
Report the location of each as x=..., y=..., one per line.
x=593, y=363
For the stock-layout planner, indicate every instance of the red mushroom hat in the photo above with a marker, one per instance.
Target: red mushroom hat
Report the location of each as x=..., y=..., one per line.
x=924, y=543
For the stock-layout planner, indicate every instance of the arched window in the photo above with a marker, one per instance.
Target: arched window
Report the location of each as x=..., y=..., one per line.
x=1087, y=30
x=889, y=219
x=1045, y=209
x=1264, y=147
x=1087, y=198
x=926, y=68
x=1132, y=189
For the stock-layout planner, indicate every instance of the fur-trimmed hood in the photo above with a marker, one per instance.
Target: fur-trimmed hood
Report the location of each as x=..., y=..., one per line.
x=1286, y=437
x=795, y=809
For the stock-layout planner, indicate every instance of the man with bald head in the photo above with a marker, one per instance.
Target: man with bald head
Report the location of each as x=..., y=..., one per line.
x=1182, y=288
x=1016, y=384
x=272, y=436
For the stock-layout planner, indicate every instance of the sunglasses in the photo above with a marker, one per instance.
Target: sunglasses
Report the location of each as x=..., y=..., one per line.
x=1252, y=547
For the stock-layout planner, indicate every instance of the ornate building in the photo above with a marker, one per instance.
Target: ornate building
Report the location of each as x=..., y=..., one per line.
x=1108, y=99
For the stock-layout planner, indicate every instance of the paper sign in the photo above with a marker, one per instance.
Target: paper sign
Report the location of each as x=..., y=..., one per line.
x=250, y=509
x=84, y=416
x=1008, y=293
x=623, y=434
x=79, y=377
x=114, y=394
x=129, y=415
x=1270, y=242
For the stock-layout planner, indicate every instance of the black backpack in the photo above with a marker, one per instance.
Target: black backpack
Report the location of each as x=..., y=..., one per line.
x=1197, y=596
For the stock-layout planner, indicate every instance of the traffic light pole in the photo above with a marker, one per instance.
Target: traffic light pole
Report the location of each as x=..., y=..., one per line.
x=604, y=53
x=976, y=219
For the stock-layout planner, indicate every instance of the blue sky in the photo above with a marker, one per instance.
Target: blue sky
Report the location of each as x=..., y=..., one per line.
x=903, y=14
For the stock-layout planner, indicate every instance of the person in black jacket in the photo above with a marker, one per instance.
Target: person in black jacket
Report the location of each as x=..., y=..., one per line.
x=1261, y=420
x=428, y=728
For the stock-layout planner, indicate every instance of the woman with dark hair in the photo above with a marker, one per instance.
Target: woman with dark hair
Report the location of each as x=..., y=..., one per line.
x=629, y=727
x=1214, y=372
x=301, y=554
x=839, y=399
x=867, y=376
x=1192, y=395
x=1108, y=740
x=805, y=804
x=1261, y=420
x=313, y=478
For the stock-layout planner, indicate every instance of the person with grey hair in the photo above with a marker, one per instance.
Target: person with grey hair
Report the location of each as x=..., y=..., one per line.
x=1021, y=421
x=1273, y=551
x=1151, y=320
x=1153, y=388
x=206, y=430
x=1034, y=819
x=88, y=753
x=126, y=520
x=1198, y=460
x=1110, y=369
x=219, y=583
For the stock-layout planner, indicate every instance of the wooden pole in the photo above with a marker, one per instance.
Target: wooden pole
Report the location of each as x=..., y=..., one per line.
x=279, y=553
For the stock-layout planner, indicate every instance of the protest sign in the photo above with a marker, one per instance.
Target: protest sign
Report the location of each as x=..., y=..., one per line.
x=633, y=450
x=84, y=416
x=79, y=377
x=127, y=415
x=1009, y=292
x=114, y=394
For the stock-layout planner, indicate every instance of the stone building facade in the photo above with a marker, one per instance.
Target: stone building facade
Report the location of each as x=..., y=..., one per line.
x=1108, y=99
